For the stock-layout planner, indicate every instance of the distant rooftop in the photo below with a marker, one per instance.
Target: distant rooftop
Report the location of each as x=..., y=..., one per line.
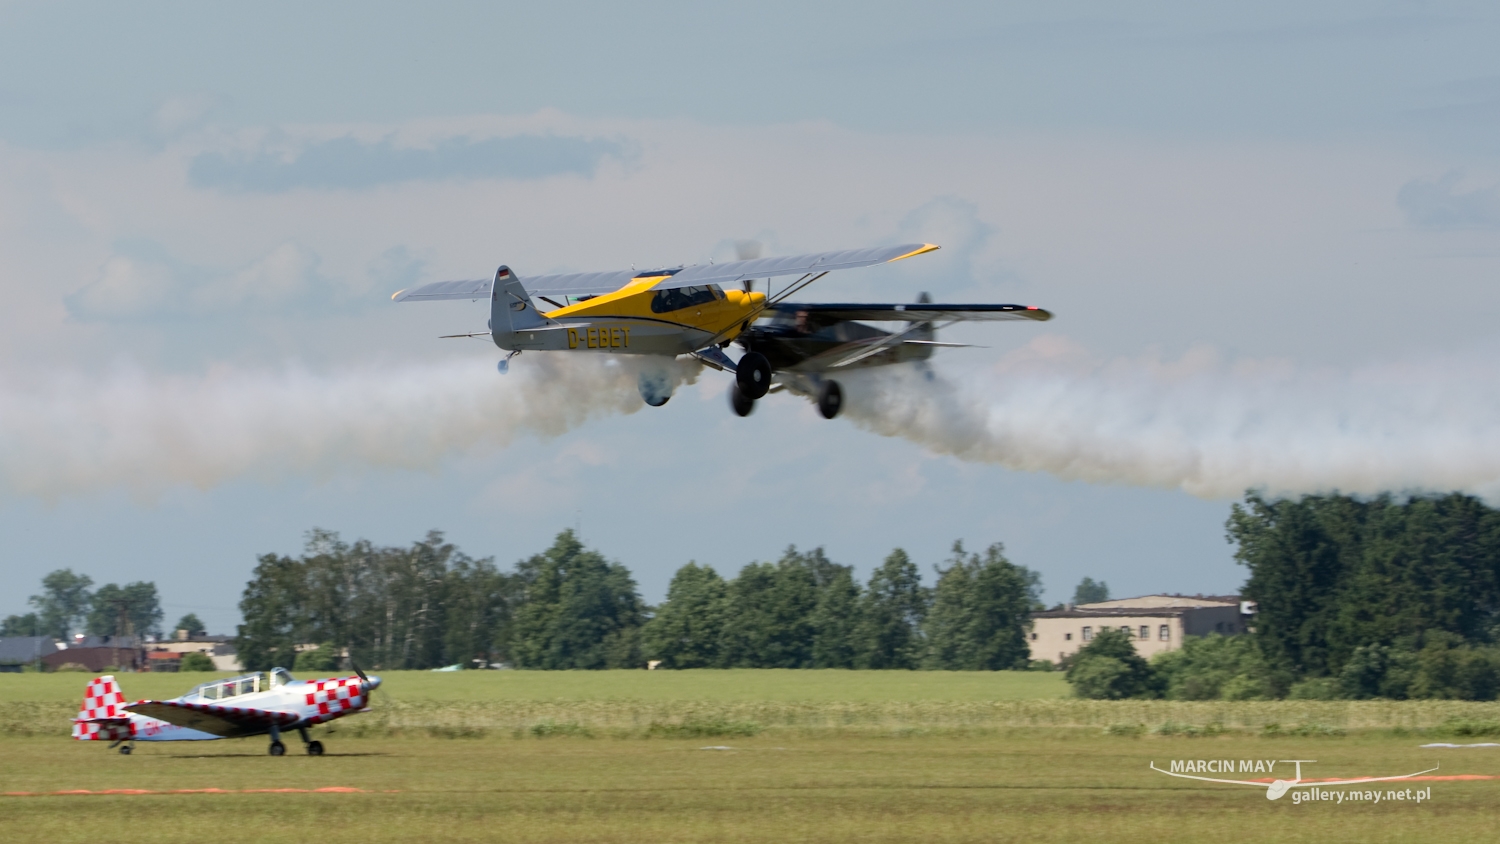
x=1163, y=601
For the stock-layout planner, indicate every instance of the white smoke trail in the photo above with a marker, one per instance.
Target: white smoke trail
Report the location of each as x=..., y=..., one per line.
x=70, y=433
x=1209, y=428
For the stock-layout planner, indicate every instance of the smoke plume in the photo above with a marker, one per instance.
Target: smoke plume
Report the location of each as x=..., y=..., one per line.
x=1210, y=428
x=72, y=433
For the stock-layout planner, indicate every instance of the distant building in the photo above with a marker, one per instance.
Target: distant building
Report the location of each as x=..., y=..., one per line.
x=17, y=652
x=98, y=653
x=167, y=655
x=1155, y=623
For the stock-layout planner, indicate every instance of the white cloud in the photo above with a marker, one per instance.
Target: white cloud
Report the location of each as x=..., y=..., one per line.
x=148, y=285
x=1440, y=204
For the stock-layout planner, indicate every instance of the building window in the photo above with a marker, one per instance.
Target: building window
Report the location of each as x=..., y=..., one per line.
x=1145, y=631
x=1127, y=631
x=1165, y=633
x=1067, y=637
x=1033, y=637
x=1088, y=633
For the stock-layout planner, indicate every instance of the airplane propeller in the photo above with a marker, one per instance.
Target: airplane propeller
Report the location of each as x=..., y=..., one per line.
x=365, y=686
x=748, y=250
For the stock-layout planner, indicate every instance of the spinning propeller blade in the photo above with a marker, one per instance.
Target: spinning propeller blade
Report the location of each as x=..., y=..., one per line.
x=748, y=250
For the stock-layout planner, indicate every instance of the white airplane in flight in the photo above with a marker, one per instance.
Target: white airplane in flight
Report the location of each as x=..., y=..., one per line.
x=262, y=703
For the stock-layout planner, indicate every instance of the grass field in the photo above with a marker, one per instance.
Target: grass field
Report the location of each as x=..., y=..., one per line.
x=833, y=756
x=733, y=685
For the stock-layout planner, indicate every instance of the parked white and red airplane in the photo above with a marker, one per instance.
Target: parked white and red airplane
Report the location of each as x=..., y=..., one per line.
x=263, y=703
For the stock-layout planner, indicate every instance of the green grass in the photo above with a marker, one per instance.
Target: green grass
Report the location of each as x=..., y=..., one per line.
x=1035, y=786
x=746, y=756
x=731, y=685
x=644, y=704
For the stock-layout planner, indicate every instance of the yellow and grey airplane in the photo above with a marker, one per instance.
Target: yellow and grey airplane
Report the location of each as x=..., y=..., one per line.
x=669, y=312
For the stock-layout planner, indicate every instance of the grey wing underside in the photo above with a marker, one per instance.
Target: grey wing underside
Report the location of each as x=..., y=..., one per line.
x=224, y=721
x=918, y=313
x=732, y=272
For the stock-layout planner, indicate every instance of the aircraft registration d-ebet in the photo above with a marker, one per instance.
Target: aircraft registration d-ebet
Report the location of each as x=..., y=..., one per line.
x=262, y=703
x=685, y=310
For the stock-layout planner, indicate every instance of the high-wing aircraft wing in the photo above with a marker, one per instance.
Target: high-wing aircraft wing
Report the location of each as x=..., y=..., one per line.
x=918, y=312
x=466, y=289
x=732, y=272
x=213, y=718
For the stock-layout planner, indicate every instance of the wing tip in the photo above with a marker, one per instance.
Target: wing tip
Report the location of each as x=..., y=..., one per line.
x=396, y=297
x=920, y=250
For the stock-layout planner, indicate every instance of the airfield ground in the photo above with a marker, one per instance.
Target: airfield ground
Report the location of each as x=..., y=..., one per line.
x=742, y=756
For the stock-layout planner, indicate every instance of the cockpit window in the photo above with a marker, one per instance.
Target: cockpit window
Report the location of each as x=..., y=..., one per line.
x=280, y=677
x=678, y=298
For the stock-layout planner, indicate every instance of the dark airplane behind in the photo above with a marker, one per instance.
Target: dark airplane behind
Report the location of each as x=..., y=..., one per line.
x=805, y=343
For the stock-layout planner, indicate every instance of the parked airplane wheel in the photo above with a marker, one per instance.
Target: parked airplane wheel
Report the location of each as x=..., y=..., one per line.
x=315, y=748
x=742, y=404
x=125, y=751
x=278, y=749
x=753, y=375
x=830, y=399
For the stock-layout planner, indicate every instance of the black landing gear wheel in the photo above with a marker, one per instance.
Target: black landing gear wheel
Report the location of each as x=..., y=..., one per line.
x=830, y=399
x=742, y=404
x=125, y=750
x=753, y=374
x=278, y=749
x=315, y=748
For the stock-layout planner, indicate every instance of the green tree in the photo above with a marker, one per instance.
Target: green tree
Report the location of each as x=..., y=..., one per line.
x=191, y=624
x=578, y=610
x=324, y=658
x=476, y=613
x=891, y=613
x=29, y=624
x=981, y=612
x=835, y=620
x=64, y=602
x=1219, y=667
x=769, y=621
x=196, y=661
x=1089, y=592
x=1333, y=574
x=687, y=630
x=1108, y=668
x=274, y=610
x=132, y=609
x=413, y=607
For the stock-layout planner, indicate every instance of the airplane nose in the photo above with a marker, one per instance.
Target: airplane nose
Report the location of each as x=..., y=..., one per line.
x=374, y=681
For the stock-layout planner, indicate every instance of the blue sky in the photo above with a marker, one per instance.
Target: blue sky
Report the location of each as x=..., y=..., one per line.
x=1271, y=235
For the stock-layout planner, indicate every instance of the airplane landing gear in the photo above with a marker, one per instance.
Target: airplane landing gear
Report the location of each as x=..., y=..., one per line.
x=753, y=374
x=314, y=748
x=125, y=750
x=277, y=748
x=742, y=404
x=830, y=399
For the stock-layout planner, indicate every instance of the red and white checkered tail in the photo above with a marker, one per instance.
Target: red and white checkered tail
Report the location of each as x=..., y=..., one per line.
x=102, y=717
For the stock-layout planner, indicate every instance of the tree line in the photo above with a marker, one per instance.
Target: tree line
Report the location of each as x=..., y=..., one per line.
x=69, y=604
x=429, y=605
x=1389, y=597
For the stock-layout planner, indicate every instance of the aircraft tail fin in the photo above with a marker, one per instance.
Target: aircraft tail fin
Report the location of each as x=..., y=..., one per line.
x=511, y=310
x=102, y=716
